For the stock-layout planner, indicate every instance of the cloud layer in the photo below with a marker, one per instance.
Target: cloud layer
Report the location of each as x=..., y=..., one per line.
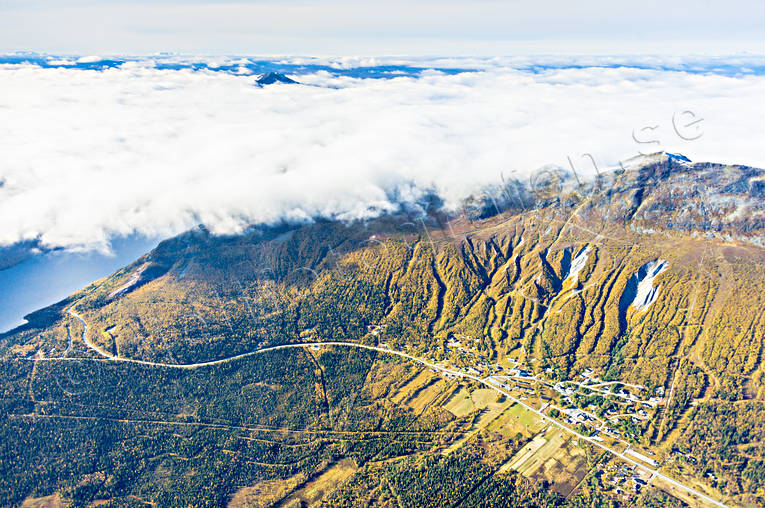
x=88, y=154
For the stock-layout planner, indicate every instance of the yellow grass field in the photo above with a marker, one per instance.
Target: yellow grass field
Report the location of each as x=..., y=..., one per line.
x=463, y=402
x=429, y=394
x=552, y=456
x=518, y=419
x=53, y=501
x=312, y=493
x=408, y=389
x=263, y=494
x=460, y=404
x=273, y=492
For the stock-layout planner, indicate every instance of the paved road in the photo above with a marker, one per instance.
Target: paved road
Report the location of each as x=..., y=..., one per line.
x=108, y=356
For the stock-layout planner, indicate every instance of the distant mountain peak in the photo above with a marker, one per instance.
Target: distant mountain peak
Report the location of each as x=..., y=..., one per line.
x=678, y=157
x=643, y=160
x=270, y=78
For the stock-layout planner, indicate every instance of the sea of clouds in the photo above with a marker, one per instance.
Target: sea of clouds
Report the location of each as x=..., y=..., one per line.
x=87, y=154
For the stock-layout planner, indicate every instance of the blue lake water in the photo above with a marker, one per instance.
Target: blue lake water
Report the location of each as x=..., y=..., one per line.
x=48, y=278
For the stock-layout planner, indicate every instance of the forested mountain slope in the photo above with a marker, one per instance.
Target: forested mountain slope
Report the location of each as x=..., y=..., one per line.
x=651, y=277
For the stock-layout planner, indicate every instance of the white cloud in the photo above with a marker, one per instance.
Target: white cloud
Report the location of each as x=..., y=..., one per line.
x=89, y=59
x=91, y=154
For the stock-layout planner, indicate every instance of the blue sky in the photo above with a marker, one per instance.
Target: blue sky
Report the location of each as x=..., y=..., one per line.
x=394, y=27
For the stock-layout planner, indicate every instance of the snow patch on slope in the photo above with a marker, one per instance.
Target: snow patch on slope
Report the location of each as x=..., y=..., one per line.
x=646, y=292
x=578, y=263
x=130, y=283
